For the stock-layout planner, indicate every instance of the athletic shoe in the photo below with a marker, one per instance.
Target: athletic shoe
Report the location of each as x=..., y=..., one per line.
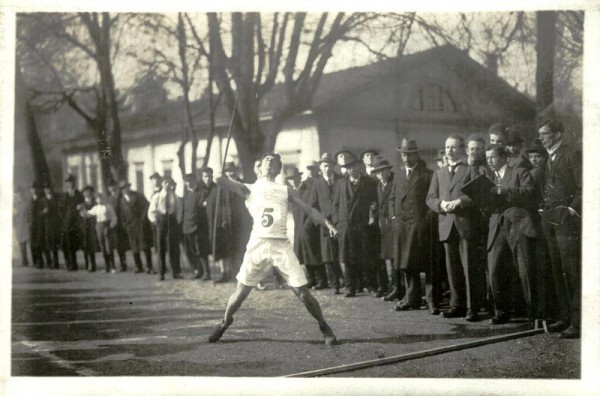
x=219, y=331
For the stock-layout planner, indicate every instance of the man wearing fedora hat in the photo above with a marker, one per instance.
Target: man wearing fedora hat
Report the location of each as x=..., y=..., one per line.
x=321, y=198
x=133, y=207
x=514, y=147
x=70, y=232
x=412, y=224
x=382, y=171
x=119, y=236
x=459, y=230
x=36, y=225
x=353, y=197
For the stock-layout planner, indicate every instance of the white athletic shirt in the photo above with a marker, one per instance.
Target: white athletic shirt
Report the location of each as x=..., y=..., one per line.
x=268, y=206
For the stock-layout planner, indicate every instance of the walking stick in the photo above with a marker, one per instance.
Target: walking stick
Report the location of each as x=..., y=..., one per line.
x=216, y=216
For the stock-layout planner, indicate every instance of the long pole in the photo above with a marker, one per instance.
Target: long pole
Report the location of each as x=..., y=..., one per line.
x=218, y=203
x=415, y=355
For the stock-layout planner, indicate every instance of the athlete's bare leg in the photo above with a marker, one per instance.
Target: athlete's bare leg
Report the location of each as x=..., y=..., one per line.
x=314, y=308
x=233, y=304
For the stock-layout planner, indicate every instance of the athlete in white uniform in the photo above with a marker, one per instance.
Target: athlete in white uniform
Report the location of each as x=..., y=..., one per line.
x=268, y=246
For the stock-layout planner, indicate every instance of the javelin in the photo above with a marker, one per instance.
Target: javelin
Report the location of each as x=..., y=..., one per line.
x=214, y=239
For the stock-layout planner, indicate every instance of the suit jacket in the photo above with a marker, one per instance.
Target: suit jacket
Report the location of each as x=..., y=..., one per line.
x=135, y=221
x=351, y=210
x=520, y=162
x=51, y=221
x=445, y=187
x=192, y=212
x=512, y=211
x=562, y=183
x=412, y=224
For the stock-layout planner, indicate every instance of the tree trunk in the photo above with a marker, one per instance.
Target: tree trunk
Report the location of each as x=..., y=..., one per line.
x=181, y=156
x=38, y=157
x=545, y=50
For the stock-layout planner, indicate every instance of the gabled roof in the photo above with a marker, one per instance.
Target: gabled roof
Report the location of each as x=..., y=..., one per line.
x=332, y=87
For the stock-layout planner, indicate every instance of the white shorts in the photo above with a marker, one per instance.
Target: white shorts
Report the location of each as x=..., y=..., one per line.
x=265, y=253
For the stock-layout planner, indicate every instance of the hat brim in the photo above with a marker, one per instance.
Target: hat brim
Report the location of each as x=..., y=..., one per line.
x=402, y=150
x=327, y=161
x=309, y=167
x=380, y=168
x=349, y=164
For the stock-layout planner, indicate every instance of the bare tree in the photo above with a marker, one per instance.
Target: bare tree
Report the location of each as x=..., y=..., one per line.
x=60, y=46
x=261, y=51
x=546, y=50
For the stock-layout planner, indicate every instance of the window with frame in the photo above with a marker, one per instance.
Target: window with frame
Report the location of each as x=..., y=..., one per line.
x=435, y=98
x=167, y=166
x=139, y=176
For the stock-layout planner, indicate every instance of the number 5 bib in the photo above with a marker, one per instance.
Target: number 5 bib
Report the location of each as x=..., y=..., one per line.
x=268, y=205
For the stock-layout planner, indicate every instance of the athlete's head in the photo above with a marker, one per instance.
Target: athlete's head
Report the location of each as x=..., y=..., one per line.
x=270, y=164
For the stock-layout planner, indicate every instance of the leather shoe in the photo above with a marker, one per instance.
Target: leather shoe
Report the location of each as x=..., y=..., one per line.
x=337, y=291
x=392, y=295
x=471, y=316
x=570, y=332
x=219, y=331
x=406, y=307
x=557, y=326
x=138, y=271
x=350, y=294
x=500, y=319
x=151, y=271
x=177, y=276
x=454, y=313
x=162, y=277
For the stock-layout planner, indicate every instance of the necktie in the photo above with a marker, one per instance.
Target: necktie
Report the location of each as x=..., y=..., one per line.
x=498, y=179
x=409, y=174
x=167, y=203
x=452, y=170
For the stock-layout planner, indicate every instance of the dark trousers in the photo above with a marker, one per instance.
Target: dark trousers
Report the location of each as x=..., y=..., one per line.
x=23, y=250
x=70, y=258
x=51, y=257
x=352, y=276
x=503, y=261
x=412, y=280
x=563, y=239
x=167, y=236
x=192, y=251
x=381, y=277
x=466, y=275
x=37, y=256
x=316, y=275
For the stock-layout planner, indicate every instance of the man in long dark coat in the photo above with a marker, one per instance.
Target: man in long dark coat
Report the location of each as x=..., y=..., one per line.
x=309, y=239
x=353, y=197
x=412, y=226
x=36, y=226
x=193, y=226
x=223, y=238
x=561, y=223
x=133, y=208
x=119, y=235
x=70, y=231
x=321, y=198
x=51, y=220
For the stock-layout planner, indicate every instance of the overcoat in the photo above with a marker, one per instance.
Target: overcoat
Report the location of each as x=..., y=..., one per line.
x=321, y=198
x=412, y=219
x=70, y=230
x=350, y=214
x=51, y=221
x=89, y=239
x=36, y=223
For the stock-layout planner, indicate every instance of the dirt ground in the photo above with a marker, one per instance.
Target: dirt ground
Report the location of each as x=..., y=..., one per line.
x=125, y=324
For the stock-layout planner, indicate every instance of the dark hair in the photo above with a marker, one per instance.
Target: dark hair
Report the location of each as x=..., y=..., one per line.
x=207, y=169
x=499, y=150
x=552, y=123
x=476, y=138
x=277, y=158
x=461, y=140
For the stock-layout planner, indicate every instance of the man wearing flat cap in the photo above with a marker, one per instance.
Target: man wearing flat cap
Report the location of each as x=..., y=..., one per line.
x=133, y=207
x=321, y=198
x=164, y=212
x=353, y=197
x=70, y=232
x=412, y=224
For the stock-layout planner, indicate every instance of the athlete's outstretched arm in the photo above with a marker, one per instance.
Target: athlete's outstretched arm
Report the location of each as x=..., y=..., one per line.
x=235, y=187
x=313, y=213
